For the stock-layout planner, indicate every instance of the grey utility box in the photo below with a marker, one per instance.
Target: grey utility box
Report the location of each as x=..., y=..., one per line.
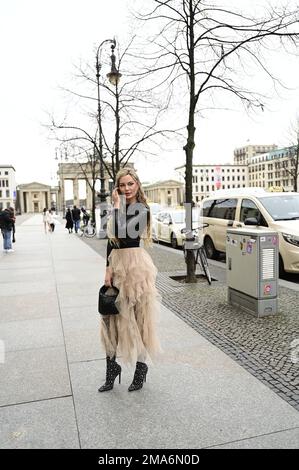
x=252, y=269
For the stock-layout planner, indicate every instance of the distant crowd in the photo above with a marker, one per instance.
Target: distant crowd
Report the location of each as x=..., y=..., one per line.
x=72, y=216
x=8, y=218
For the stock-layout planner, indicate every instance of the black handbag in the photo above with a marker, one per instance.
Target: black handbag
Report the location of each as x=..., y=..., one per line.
x=107, y=300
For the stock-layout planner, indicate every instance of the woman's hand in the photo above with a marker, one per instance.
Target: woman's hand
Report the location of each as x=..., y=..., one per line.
x=115, y=198
x=108, y=277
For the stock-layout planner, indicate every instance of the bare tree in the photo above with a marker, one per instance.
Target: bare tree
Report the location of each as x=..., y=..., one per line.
x=291, y=165
x=129, y=119
x=202, y=48
x=88, y=166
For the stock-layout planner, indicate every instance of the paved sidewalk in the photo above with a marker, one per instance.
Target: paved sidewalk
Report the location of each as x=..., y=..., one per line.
x=195, y=397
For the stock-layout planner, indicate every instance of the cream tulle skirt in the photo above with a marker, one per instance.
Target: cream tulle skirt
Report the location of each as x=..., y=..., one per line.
x=132, y=333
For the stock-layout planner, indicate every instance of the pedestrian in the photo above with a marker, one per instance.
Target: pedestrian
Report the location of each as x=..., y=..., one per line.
x=12, y=212
x=76, y=213
x=85, y=217
x=51, y=221
x=7, y=221
x=45, y=219
x=69, y=220
x=132, y=332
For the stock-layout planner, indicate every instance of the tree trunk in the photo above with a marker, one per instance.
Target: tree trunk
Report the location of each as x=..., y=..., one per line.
x=191, y=277
x=93, y=203
x=117, y=119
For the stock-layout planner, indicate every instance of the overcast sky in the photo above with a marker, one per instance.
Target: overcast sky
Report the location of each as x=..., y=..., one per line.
x=41, y=40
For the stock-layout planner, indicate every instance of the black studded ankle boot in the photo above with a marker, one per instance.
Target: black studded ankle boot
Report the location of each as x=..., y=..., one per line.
x=112, y=371
x=139, y=376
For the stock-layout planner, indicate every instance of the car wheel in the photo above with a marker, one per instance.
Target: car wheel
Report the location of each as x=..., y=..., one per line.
x=281, y=266
x=173, y=241
x=211, y=251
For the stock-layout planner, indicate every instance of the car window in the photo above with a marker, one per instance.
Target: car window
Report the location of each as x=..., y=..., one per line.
x=206, y=208
x=250, y=209
x=221, y=209
x=155, y=208
x=282, y=207
x=178, y=217
x=160, y=216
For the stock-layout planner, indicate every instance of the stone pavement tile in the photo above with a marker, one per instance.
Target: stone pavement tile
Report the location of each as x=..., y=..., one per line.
x=24, y=274
x=49, y=424
x=288, y=439
x=78, y=276
x=10, y=262
x=179, y=407
x=28, y=334
x=88, y=312
x=82, y=335
x=86, y=287
x=33, y=374
x=28, y=306
x=27, y=287
x=76, y=300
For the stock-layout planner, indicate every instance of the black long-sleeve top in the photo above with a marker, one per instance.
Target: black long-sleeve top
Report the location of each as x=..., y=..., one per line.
x=128, y=226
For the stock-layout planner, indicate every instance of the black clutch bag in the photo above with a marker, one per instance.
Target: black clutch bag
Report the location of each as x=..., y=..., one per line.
x=107, y=297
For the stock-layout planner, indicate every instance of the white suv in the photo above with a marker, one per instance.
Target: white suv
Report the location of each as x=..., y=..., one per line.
x=278, y=211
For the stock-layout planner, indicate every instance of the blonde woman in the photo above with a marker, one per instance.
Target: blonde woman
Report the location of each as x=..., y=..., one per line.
x=131, y=333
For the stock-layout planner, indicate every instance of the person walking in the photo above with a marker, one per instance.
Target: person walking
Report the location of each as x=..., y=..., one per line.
x=69, y=220
x=76, y=213
x=51, y=221
x=12, y=212
x=85, y=217
x=45, y=220
x=7, y=220
x=132, y=332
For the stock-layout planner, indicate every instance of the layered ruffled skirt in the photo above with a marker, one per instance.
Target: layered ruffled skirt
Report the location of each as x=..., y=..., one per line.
x=132, y=333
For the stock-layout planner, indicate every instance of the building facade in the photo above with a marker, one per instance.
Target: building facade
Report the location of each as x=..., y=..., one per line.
x=243, y=155
x=209, y=178
x=166, y=193
x=8, y=191
x=34, y=197
x=272, y=170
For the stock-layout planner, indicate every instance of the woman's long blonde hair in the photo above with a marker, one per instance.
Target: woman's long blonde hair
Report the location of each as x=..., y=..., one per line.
x=141, y=198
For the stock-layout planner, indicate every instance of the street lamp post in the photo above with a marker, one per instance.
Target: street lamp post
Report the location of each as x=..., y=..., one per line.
x=62, y=158
x=113, y=77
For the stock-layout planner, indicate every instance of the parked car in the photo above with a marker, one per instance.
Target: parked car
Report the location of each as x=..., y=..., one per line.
x=155, y=207
x=168, y=224
x=231, y=208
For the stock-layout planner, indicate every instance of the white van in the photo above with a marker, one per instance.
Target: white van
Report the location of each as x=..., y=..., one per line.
x=253, y=206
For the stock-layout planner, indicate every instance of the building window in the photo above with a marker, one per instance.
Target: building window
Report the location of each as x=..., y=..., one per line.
x=7, y=193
